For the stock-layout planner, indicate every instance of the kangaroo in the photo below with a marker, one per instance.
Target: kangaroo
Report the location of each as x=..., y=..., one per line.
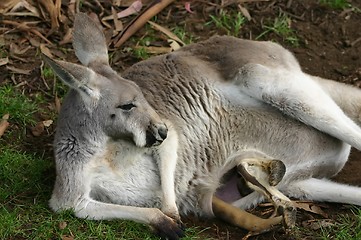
x=171, y=135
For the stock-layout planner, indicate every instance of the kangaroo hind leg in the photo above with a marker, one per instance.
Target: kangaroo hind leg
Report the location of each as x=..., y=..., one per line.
x=297, y=95
x=324, y=190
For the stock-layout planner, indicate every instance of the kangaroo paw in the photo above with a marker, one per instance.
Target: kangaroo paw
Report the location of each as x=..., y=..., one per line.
x=167, y=228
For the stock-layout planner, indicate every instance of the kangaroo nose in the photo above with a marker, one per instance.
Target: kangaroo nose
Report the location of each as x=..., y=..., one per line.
x=162, y=131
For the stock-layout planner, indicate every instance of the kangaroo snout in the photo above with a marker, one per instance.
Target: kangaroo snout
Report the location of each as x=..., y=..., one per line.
x=156, y=134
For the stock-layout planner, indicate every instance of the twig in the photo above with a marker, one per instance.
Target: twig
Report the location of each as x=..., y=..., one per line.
x=153, y=9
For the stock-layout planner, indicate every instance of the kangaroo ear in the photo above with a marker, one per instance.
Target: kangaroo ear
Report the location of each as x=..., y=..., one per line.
x=78, y=77
x=89, y=41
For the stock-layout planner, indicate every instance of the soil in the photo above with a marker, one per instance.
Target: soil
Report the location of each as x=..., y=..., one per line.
x=329, y=46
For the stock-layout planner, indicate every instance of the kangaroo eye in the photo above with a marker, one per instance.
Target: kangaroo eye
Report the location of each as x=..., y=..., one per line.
x=126, y=107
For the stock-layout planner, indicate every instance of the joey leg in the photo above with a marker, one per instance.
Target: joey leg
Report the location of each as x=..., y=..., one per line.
x=241, y=218
x=263, y=175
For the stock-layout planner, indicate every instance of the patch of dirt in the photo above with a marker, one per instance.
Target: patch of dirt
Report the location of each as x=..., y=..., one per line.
x=329, y=46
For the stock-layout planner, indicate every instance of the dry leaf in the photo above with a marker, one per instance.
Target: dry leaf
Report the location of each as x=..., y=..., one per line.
x=317, y=224
x=187, y=6
x=66, y=237
x=38, y=129
x=156, y=50
x=15, y=49
x=67, y=37
x=45, y=50
x=4, y=61
x=167, y=32
x=135, y=7
x=23, y=4
x=310, y=207
x=54, y=11
x=18, y=70
x=22, y=26
x=57, y=104
x=245, y=12
x=118, y=24
x=127, y=3
x=6, y=5
x=139, y=21
x=4, y=124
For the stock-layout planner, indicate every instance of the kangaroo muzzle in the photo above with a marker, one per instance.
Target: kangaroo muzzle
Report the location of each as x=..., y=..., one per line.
x=156, y=134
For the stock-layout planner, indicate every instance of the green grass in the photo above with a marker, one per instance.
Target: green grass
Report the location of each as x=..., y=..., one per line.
x=20, y=107
x=344, y=227
x=281, y=27
x=47, y=72
x=348, y=227
x=183, y=35
x=336, y=4
x=230, y=23
x=141, y=53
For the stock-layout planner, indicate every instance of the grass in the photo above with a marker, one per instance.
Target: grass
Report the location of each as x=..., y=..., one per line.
x=230, y=23
x=20, y=107
x=180, y=31
x=141, y=53
x=348, y=227
x=336, y=4
x=344, y=227
x=47, y=72
x=282, y=27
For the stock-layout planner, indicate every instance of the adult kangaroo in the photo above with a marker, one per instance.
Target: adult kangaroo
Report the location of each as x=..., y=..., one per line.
x=172, y=134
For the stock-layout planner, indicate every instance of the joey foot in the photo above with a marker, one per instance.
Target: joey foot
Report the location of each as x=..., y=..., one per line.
x=287, y=210
x=277, y=170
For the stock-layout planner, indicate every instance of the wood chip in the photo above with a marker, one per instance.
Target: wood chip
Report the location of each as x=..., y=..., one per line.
x=4, y=124
x=62, y=225
x=48, y=123
x=174, y=45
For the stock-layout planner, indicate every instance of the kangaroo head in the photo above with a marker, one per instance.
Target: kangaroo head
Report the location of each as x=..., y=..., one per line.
x=116, y=105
